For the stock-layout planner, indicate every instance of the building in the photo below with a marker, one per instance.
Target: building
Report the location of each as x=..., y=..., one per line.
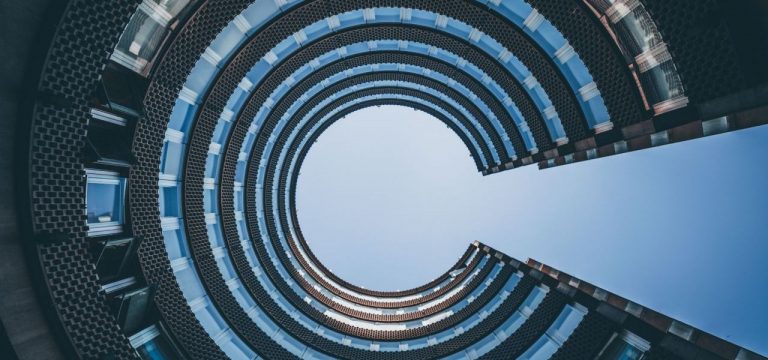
x=153, y=149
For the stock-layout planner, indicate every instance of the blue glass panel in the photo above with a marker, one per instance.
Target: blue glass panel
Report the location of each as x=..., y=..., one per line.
x=552, y=39
x=171, y=158
x=189, y=283
x=105, y=202
x=211, y=165
x=387, y=14
x=259, y=12
x=423, y=18
x=202, y=75
x=284, y=48
x=316, y=30
x=542, y=349
x=214, y=235
x=515, y=11
x=351, y=18
x=235, y=348
x=169, y=201
x=226, y=267
x=157, y=349
x=175, y=244
x=210, y=319
x=181, y=116
x=227, y=40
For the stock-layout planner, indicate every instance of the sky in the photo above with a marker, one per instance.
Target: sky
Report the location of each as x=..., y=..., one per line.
x=389, y=198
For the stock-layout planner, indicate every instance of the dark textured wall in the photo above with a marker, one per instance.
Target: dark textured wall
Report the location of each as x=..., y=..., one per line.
x=22, y=31
x=52, y=174
x=71, y=308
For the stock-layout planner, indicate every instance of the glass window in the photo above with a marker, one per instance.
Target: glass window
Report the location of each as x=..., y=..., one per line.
x=625, y=346
x=543, y=349
x=145, y=33
x=105, y=202
x=151, y=344
x=643, y=45
x=131, y=308
x=175, y=244
x=172, y=7
x=156, y=349
x=111, y=258
x=566, y=323
x=235, y=348
x=139, y=42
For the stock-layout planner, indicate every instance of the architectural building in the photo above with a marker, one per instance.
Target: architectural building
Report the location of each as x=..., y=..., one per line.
x=151, y=149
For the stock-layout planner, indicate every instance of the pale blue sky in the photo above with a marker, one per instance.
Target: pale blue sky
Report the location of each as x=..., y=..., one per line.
x=389, y=198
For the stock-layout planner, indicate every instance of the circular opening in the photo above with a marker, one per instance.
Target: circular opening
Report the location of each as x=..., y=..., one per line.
x=377, y=194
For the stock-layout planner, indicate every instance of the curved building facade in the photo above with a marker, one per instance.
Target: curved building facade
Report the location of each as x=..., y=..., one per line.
x=157, y=145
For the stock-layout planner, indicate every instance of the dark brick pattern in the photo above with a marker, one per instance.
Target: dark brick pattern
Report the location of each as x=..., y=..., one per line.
x=298, y=302
x=87, y=32
x=531, y=330
x=658, y=353
x=316, y=10
x=193, y=182
x=167, y=80
x=588, y=339
x=601, y=56
x=701, y=45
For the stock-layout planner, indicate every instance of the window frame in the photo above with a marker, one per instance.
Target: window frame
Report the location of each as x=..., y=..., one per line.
x=167, y=25
x=105, y=177
x=630, y=339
